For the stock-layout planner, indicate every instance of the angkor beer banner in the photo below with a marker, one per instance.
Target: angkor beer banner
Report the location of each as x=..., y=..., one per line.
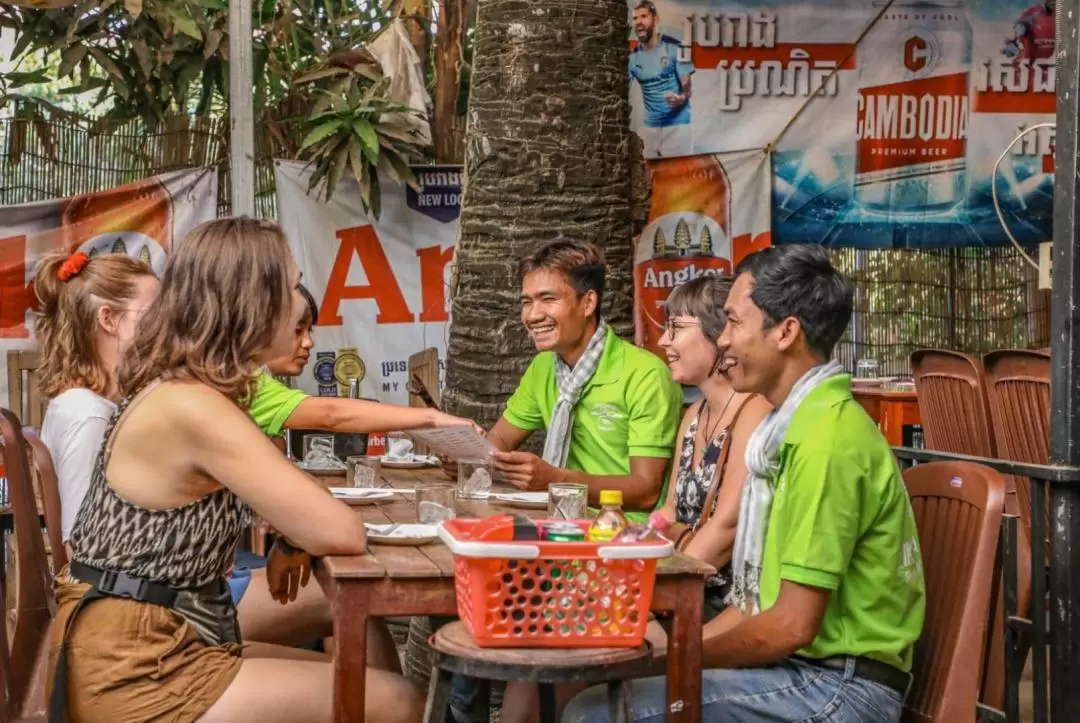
x=144, y=219
x=885, y=141
x=380, y=286
x=707, y=212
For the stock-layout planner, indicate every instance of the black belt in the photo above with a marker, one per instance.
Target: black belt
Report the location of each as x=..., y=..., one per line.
x=869, y=669
x=105, y=583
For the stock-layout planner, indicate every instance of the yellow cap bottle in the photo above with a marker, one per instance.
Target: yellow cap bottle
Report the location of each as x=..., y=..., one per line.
x=611, y=498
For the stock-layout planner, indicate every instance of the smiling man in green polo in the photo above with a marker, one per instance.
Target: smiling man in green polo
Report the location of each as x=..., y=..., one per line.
x=611, y=410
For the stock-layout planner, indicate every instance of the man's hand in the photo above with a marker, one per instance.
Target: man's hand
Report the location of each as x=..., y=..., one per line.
x=287, y=570
x=675, y=99
x=524, y=470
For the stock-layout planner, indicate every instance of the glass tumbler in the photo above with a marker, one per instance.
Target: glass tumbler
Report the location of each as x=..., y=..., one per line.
x=434, y=504
x=363, y=471
x=474, y=479
x=568, y=501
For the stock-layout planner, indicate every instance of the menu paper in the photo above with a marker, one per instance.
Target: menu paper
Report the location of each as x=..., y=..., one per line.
x=460, y=442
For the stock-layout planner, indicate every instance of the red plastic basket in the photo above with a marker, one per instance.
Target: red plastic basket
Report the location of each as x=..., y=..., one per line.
x=527, y=594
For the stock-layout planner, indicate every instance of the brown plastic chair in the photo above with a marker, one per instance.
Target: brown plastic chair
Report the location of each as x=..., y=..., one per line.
x=953, y=402
x=34, y=602
x=1018, y=382
x=48, y=491
x=958, y=508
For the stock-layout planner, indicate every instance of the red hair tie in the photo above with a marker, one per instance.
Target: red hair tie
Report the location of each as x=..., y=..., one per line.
x=73, y=266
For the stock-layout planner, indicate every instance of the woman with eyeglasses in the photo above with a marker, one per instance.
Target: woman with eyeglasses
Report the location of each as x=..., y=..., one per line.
x=707, y=476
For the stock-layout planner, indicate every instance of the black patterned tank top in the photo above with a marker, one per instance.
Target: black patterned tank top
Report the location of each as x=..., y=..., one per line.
x=183, y=547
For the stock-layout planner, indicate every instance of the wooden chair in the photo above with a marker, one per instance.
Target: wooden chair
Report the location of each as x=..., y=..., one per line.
x=34, y=602
x=424, y=381
x=455, y=651
x=953, y=402
x=958, y=507
x=1018, y=383
x=48, y=491
x=24, y=387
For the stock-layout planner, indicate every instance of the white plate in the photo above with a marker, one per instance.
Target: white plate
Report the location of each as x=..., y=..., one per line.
x=402, y=534
x=321, y=471
x=415, y=461
x=360, y=495
x=528, y=500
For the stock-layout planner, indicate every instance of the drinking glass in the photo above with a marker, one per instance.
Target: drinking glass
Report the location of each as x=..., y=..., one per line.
x=318, y=446
x=474, y=478
x=434, y=503
x=866, y=369
x=363, y=471
x=568, y=501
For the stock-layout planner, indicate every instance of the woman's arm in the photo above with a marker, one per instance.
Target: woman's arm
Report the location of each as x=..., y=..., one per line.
x=359, y=416
x=713, y=543
x=668, y=509
x=234, y=452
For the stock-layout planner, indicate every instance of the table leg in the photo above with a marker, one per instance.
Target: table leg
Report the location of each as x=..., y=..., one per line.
x=349, y=608
x=684, y=653
x=892, y=423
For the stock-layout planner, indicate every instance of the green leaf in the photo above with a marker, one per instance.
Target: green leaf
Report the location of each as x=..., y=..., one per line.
x=142, y=54
x=71, y=57
x=319, y=75
x=356, y=158
x=375, y=197
x=107, y=64
x=213, y=4
x=321, y=132
x=337, y=168
x=213, y=42
x=368, y=137
x=134, y=7
x=400, y=170
x=185, y=24
x=17, y=80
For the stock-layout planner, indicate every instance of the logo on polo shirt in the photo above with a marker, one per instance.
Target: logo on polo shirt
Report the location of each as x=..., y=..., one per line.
x=606, y=414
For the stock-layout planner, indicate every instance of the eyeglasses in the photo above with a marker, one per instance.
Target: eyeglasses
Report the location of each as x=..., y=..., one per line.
x=671, y=326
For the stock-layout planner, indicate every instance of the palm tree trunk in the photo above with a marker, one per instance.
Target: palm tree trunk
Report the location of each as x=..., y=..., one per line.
x=546, y=156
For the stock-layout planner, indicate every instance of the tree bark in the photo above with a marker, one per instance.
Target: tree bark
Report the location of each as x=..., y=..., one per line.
x=547, y=149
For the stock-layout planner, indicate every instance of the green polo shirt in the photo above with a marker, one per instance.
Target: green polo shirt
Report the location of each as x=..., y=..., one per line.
x=841, y=520
x=630, y=408
x=273, y=403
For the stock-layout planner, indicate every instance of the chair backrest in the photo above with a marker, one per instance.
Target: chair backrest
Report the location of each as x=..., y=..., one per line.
x=24, y=387
x=34, y=602
x=958, y=508
x=1018, y=383
x=953, y=402
x=44, y=474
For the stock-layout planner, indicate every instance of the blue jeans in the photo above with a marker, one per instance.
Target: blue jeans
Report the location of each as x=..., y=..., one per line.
x=792, y=690
x=241, y=574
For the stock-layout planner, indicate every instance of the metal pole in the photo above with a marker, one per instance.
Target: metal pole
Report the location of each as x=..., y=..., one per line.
x=1065, y=381
x=241, y=110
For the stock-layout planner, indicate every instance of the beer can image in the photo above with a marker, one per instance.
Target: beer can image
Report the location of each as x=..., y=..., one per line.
x=688, y=234
x=913, y=109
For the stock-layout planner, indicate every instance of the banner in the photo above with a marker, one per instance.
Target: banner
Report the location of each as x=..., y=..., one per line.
x=707, y=212
x=381, y=287
x=144, y=219
x=884, y=141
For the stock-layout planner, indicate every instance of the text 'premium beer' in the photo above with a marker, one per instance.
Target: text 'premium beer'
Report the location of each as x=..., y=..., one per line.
x=913, y=109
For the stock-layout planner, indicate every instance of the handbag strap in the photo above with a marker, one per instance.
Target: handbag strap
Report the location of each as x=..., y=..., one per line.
x=721, y=466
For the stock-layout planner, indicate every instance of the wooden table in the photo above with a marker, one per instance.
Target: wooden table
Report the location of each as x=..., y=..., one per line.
x=404, y=581
x=892, y=406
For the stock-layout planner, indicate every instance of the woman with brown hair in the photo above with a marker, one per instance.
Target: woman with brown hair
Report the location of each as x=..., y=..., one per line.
x=146, y=628
x=706, y=480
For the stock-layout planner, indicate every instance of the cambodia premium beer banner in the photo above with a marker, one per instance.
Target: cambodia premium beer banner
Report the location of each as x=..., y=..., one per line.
x=144, y=219
x=885, y=119
x=380, y=286
x=707, y=213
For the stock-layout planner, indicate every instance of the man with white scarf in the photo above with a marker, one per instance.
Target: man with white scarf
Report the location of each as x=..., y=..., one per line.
x=828, y=596
x=611, y=410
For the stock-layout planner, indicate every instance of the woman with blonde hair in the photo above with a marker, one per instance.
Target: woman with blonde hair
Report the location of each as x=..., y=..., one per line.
x=146, y=628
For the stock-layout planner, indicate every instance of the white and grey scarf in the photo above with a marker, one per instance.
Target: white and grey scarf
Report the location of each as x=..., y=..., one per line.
x=762, y=466
x=571, y=383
